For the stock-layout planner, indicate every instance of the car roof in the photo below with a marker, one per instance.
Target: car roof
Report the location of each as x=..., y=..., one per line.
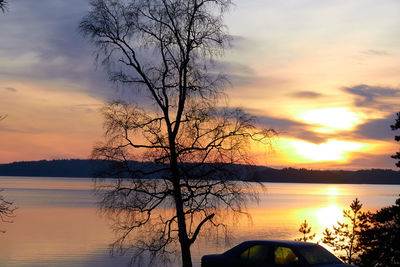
x=291, y=244
x=280, y=242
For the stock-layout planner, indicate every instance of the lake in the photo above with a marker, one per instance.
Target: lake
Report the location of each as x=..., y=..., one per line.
x=58, y=224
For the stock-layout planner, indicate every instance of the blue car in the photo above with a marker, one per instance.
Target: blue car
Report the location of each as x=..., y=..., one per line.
x=274, y=254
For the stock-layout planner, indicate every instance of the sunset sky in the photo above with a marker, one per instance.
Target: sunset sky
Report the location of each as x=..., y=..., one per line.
x=324, y=74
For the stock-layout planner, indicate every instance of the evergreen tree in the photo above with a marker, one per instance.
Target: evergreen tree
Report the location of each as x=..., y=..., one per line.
x=345, y=237
x=394, y=127
x=305, y=229
x=381, y=243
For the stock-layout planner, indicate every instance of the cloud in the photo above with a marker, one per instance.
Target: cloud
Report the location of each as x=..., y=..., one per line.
x=239, y=42
x=285, y=127
x=232, y=67
x=377, y=129
x=373, y=96
x=242, y=75
x=306, y=94
x=25, y=130
x=376, y=52
x=238, y=80
x=368, y=161
x=291, y=129
x=38, y=45
x=10, y=89
x=278, y=122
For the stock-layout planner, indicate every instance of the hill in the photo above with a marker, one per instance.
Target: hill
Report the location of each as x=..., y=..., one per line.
x=86, y=168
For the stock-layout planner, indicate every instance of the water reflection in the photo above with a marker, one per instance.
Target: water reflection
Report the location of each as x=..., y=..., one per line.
x=7, y=210
x=333, y=191
x=329, y=215
x=58, y=223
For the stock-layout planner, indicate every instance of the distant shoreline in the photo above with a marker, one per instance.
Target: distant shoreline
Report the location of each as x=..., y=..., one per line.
x=77, y=168
x=266, y=181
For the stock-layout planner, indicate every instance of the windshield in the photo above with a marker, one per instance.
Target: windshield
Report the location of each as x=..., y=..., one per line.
x=317, y=255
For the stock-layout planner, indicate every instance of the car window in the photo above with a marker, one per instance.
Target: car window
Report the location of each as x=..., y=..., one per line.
x=256, y=253
x=317, y=255
x=245, y=254
x=284, y=256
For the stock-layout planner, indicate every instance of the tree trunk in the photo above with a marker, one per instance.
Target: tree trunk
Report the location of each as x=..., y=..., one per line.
x=182, y=231
x=186, y=256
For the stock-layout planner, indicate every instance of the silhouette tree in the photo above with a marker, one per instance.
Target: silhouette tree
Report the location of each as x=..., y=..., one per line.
x=345, y=236
x=7, y=209
x=3, y=5
x=394, y=127
x=164, y=49
x=381, y=242
x=305, y=229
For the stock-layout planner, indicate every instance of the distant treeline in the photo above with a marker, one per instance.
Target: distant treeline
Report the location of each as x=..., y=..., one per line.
x=291, y=175
x=87, y=168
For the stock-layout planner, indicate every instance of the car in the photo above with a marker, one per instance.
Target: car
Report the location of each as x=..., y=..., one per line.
x=274, y=254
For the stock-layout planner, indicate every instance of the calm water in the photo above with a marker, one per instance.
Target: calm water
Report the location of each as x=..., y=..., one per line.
x=58, y=224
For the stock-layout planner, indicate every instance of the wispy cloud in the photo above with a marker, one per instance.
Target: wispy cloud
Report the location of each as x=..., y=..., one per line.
x=376, y=52
x=10, y=89
x=373, y=96
x=306, y=94
x=292, y=128
x=39, y=45
x=368, y=161
x=25, y=130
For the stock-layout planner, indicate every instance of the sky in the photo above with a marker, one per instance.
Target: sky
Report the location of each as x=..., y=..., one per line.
x=324, y=74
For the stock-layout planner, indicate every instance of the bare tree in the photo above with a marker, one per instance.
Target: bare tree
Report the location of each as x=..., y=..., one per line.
x=3, y=5
x=7, y=209
x=163, y=49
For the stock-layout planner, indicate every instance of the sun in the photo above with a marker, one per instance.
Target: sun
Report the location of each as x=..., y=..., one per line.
x=330, y=119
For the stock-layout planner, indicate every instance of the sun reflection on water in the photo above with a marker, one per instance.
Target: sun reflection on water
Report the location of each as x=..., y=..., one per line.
x=332, y=191
x=328, y=216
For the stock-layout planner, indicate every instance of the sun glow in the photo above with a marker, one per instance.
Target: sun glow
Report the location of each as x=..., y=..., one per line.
x=328, y=216
x=332, y=150
x=332, y=191
x=328, y=120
